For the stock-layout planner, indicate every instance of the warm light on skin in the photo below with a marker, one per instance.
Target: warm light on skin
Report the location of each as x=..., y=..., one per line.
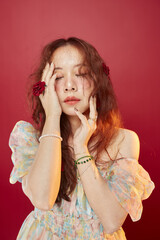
x=67, y=60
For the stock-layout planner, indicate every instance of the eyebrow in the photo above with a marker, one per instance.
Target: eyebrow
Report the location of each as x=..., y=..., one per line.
x=77, y=65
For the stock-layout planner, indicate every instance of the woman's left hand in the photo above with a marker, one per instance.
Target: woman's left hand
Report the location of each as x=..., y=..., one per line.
x=87, y=127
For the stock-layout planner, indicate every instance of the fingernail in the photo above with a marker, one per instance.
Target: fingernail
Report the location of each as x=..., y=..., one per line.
x=75, y=109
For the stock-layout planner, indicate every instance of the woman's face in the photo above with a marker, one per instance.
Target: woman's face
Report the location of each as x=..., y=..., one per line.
x=71, y=82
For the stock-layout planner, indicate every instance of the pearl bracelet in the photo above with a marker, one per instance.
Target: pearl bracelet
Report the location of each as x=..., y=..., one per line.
x=50, y=135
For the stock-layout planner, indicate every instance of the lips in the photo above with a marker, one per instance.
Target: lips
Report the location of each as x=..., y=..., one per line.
x=71, y=99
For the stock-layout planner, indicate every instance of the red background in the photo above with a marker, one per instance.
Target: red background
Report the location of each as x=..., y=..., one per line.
x=126, y=34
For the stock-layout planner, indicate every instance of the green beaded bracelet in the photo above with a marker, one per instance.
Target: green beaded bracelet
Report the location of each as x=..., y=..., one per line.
x=87, y=160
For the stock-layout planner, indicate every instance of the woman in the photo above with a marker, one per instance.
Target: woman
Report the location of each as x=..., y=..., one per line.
x=77, y=165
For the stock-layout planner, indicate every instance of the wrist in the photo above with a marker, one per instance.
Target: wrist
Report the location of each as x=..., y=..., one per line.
x=80, y=150
x=52, y=125
x=53, y=117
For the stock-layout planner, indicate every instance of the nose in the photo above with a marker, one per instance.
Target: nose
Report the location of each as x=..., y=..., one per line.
x=70, y=85
x=68, y=89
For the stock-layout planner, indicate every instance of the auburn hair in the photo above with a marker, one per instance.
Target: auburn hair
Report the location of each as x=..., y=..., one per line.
x=109, y=119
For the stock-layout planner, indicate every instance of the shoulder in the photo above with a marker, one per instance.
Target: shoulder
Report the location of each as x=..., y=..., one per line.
x=22, y=131
x=128, y=134
x=23, y=126
x=129, y=144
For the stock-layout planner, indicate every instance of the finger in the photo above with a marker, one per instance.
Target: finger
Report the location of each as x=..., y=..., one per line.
x=92, y=113
x=49, y=73
x=95, y=106
x=95, y=102
x=45, y=72
x=81, y=117
x=52, y=82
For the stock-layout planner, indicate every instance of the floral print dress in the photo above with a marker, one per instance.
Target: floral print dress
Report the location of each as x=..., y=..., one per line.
x=127, y=179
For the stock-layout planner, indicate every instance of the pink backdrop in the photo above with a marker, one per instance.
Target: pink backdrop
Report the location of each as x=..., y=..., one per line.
x=126, y=34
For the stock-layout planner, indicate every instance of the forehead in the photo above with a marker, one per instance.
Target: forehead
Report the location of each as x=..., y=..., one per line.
x=67, y=55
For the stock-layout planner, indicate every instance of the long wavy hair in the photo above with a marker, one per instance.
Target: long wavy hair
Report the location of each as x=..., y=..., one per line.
x=109, y=119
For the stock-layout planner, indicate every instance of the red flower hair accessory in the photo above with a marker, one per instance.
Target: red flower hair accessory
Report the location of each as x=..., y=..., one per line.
x=105, y=69
x=38, y=88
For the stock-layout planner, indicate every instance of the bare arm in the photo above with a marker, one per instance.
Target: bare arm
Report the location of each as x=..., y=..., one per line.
x=101, y=199
x=42, y=183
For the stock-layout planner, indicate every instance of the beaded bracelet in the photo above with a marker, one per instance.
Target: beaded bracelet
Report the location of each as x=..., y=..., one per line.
x=87, y=160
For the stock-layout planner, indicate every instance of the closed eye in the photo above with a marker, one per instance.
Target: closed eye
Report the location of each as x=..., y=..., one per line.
x=77, y=75
x=58, y=78
x=81, y=75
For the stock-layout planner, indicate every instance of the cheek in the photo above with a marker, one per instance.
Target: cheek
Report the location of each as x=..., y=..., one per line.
x=58, y=88
x=84, y=84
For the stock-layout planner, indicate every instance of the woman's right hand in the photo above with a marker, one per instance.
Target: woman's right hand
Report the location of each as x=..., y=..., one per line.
x=49, y=99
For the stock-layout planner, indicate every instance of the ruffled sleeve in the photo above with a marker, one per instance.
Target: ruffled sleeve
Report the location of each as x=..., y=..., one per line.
x=23, y=143
x=130, y=183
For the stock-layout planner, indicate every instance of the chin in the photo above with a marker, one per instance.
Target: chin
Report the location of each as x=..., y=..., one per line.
x=71, y=112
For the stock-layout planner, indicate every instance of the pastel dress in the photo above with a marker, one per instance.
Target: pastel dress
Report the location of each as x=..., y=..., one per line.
x=126, y=178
